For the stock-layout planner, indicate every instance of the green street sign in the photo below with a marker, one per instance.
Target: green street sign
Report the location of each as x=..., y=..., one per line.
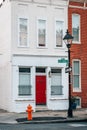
x=62, y=60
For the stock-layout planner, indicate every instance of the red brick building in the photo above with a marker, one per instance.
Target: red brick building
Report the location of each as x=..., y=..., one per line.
x=77, y=25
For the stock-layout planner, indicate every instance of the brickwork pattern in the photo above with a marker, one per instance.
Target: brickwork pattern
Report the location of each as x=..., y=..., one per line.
x=79, y=51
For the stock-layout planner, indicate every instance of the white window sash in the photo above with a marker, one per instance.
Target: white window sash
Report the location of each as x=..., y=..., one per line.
x=24, y=87
x=56, y=84
x=75, y=24
x=23, y=34
x=77, y=77
x=42, y=27
x=59, y=33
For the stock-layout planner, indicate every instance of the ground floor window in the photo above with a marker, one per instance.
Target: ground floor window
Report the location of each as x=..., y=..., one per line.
x=56, y=82
x=78, y=102
x=24, y=81
x=76, y=74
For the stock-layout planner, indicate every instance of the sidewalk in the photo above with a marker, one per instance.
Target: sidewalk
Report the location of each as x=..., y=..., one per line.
x=43, y=116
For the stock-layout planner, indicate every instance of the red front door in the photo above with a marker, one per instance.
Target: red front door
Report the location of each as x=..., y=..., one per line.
x=40, y=90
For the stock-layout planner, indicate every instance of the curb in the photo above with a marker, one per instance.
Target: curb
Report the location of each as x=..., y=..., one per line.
x=67, y=120
x=53, y=121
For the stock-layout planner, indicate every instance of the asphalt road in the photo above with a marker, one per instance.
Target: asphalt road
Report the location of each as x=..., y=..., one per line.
x=54, y=126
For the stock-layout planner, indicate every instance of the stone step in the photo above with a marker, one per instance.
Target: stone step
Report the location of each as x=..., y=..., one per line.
x=41, y=108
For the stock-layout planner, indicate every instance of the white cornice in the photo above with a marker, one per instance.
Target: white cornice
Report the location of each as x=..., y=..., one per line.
x=51, y=2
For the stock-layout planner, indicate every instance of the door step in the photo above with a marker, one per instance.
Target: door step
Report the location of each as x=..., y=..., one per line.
x=41, y=108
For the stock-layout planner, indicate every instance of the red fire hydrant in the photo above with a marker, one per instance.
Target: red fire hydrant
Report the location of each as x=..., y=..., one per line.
x=29, y=111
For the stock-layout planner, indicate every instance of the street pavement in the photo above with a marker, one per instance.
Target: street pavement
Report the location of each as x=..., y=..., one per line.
x=46, y=116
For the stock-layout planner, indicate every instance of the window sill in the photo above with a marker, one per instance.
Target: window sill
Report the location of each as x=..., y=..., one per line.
x=76, y=90
x=57, y=97
x=52, y=99
x=78, y=107
x=76, y=42
x=61, y=47
x=23, y=46
x=42, y=47
x=25, y=99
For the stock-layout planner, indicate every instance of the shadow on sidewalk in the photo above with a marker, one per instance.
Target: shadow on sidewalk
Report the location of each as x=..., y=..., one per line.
x=40, y=119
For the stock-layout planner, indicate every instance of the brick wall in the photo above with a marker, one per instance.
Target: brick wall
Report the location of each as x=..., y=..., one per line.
x=79, y=51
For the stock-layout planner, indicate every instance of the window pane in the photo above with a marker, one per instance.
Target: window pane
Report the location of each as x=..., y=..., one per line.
x=76, y=81
x=59, y=33
x=76, y=34
x=56, y=71
x=76, y=67
x=56, y=82
x=56, y=90
x=23, y=31
x=24, y=81
x=40, y=70
x=75, y=26
x=23, y=39
x=24, y=90
x=77, y=101
x=56, y=79
x=26, y=70
x=23, y=25
x=41, y=32
x=76, y=74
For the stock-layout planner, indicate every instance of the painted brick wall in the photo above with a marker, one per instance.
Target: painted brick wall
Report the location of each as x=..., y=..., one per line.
x=79, y=51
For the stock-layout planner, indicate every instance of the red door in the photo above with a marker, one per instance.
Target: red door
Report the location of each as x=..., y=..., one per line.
x=40, y=90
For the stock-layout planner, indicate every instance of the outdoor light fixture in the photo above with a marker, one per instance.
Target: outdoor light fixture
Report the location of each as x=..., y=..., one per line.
x=68, y=41
x=49, y=73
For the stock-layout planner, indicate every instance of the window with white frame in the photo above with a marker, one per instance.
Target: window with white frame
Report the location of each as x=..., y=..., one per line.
x=56, y=82
x=59, y=33
x=41, y=33
x=76, y=27
x=23, y=32
x=24, y=82
x=78, y=102
x=76, y=74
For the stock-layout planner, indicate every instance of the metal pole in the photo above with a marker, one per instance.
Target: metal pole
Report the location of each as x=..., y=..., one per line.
x=70, y=113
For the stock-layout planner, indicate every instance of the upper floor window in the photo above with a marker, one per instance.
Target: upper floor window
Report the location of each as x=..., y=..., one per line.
x=23, y=32
x=41, y=33
x=76, y=75
x=76, y=27
x=59, y=33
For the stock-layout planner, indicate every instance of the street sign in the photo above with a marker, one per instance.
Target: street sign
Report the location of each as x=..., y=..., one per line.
x=62, y=60
x=67, y=70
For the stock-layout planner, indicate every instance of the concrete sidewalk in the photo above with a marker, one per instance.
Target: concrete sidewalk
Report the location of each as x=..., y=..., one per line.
x=43, y=116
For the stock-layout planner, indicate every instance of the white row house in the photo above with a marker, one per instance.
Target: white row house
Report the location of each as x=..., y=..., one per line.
x=33, y=56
